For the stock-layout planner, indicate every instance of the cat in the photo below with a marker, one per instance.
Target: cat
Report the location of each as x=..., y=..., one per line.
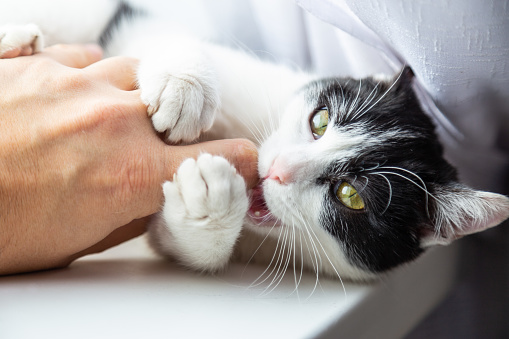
x=353, y=179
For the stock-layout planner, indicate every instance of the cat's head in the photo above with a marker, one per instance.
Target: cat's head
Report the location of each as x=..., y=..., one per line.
x=355, y=180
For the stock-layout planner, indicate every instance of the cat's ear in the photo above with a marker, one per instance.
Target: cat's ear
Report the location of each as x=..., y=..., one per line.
x=403, y=80
x=457, y=210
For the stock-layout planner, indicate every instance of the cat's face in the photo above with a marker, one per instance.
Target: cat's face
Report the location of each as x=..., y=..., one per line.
x=351, y=178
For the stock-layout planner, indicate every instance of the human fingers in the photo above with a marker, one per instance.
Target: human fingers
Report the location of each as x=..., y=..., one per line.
x=118, y=71
x=18, y=51
x=241, y=153
x=76, y=56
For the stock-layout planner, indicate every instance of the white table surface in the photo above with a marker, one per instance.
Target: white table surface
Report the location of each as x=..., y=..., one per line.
x=127, y=292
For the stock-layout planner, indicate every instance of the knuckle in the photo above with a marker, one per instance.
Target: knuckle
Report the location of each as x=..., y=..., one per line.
x=58, y=47
x=125, y=61
x=39, y=68
x=74, y=81
x=111, y=115
x=135, y=181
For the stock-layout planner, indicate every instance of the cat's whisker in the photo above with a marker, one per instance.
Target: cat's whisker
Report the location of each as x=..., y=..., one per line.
x=294, y=238
x=254, y=129
x=365, y=185
x=258, y=248
x=267, y=129
x=372, y=95
x=354, y=102
x=419, y=178
x=240, y=45
x=255, y=282
x=284, y=267
x=326, y=255
x=385, y=93
x=416, y=184
x=260, y=136
x=312, y=255
x=318, y=258
x=269, y=109
x=279, y=262
x=301, y=259
x=372, y=168
x=390, y=191
x=342, y=105
x=278, y=276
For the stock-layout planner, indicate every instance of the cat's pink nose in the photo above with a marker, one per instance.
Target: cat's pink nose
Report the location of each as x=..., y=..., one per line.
x=279, y=173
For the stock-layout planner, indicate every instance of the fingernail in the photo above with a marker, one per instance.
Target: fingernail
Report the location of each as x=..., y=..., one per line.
x=95, y=50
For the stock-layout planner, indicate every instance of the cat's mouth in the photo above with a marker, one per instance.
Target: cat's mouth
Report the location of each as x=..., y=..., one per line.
x=258, y=211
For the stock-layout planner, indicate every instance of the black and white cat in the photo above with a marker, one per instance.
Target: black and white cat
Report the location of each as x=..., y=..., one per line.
x=353, y=178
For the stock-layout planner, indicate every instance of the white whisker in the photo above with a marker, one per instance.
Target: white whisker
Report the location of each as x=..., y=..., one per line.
x=254, y=283
x=277, y=265
x=390, y=191
x=326, y=255
x=358, y=113
x=419, y=178
x=258, y=248
x=383, y=95
x=354, y=102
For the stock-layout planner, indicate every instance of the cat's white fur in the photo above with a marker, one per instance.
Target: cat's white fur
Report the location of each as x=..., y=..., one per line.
x=20, y=36
x=193, y=88
x=206, y=203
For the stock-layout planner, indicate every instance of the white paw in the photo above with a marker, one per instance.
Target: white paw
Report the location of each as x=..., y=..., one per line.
x=204, y=209
x=18, y=40
x=181, y=94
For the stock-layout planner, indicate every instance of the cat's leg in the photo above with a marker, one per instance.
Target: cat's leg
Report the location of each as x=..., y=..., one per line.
x=17, y=40
x=76, y=21
x=180, y=88
x=204, y=209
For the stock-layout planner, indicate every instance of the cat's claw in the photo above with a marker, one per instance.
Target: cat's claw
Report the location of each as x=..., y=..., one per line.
x=20, y=40
x=204, y=209
x=181, y=98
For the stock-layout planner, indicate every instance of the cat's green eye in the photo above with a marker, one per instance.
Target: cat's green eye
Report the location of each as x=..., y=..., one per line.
x=319, y=122
x=349, y=197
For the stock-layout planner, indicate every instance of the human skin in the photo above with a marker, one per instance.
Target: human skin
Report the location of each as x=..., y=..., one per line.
x=81, y=167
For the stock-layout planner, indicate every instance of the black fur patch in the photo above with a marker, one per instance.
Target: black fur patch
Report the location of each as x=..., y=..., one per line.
x=124, y=12
x=391, y=177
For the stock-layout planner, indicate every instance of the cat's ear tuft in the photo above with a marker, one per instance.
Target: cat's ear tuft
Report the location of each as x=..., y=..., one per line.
x=404, y=79
x=458, y=210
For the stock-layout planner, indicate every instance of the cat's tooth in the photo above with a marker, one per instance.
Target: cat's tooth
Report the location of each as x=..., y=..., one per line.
x=257, y=213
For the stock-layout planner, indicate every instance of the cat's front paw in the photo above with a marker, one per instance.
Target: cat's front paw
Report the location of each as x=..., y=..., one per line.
x=181, y=94
x=19, y=40
x=204, y=209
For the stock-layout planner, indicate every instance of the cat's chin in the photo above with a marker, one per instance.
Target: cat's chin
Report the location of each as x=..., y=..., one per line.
x=258, y=213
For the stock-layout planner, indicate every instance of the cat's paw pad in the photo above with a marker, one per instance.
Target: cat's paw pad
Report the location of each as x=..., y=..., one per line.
x=20, y=40
x=210, y=191
x=181, y=104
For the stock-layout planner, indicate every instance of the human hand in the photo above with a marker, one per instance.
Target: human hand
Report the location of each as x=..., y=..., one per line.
x=80, y=163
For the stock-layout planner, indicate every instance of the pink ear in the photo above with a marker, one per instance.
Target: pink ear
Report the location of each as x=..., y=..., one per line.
x=460, y=211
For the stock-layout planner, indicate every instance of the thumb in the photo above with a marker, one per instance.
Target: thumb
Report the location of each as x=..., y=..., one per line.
x=241, y=153
x=76, y=56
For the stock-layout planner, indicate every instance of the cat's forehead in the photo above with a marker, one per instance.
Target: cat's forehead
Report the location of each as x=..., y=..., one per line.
x=348, y=99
